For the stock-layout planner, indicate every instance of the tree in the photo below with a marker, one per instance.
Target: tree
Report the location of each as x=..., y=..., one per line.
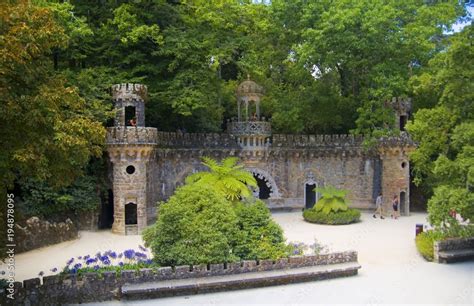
x=47, y=131
x=444, y=159
x=227, y=177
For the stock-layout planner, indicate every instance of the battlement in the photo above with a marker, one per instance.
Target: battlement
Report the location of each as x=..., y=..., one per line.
x=196, y=140
x=131, y=135
x=142, y=135
x=399, y=104
x=129, y=91
x=404, y=140
x=312, y=141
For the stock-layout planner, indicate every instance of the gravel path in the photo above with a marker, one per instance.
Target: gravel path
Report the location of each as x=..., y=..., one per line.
x=392, y=270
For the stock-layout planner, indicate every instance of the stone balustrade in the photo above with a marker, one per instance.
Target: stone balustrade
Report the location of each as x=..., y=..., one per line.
x=131, y=135
x=248, y=128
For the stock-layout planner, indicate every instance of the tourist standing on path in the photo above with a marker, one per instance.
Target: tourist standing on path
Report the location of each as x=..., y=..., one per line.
x=395, y=207
x=378, y=206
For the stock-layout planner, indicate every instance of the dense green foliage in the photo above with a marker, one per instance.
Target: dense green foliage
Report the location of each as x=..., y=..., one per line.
x=444, y=159
x=425, y=243
x=227, y=177
x=196, y=225
x=333, y=218
x=259, y=237
x=199, y=225
x=332, y=200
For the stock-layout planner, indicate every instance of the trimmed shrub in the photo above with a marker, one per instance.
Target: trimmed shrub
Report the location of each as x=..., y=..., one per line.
x=195, y=226
x=259, y=236
x=425, y=243
x=333, y=218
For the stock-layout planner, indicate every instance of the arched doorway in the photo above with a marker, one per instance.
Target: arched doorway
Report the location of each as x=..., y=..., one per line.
x=106, y=217
x=403, y=208
x=266, y=185
x=264, y=189
x=131, y=214
x=130, y=113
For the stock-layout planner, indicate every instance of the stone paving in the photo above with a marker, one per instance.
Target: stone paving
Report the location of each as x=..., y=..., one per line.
x=392, y=270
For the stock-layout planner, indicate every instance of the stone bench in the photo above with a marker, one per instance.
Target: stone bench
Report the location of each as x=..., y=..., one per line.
x=454, y=250
x=236, y=281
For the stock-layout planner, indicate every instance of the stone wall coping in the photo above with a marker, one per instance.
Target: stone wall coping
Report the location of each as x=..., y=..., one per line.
x=131, y=135
x=94, y=286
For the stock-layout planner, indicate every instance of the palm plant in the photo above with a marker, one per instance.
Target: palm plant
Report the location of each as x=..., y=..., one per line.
x=332, y=199
x=227, y=177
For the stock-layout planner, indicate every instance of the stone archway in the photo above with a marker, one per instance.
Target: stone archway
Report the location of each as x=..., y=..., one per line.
x=263, y=177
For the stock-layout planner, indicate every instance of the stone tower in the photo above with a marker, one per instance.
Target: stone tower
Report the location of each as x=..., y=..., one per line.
x=250, y=129
x=402, y=108
x=130, y=145
x=394, y=153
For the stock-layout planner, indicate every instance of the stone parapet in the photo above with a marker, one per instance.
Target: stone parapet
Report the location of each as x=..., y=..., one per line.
x=316, y=141
x=94, y=287
x=129, y=91
x=196, y=140
x=249, y=128
x=131, y=135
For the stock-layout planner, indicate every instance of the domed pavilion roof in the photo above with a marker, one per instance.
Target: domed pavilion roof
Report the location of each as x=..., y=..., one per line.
x=249, y=88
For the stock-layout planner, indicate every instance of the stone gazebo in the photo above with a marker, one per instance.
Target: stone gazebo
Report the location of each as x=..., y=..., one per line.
x=251, y=130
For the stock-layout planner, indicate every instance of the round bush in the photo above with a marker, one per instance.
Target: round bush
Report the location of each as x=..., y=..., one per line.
x=334, y=218
x=259, y=236
x=195, y=226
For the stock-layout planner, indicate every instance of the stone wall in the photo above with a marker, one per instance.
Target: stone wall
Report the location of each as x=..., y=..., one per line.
x=285, y=170
x=452, y=244
x=93, y=287
x=39, y=233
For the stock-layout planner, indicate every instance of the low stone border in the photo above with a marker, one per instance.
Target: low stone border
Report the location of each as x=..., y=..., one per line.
x=39, y=233
x=92, y=287
x=443, y=247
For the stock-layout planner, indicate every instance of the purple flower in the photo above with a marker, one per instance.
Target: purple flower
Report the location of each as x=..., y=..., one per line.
x=41, y=273
x=87, y=257
x=104, y=258
x=70, y=261
x=142, y=248
x=54, y=270
x=121, y=264
x=129, y=253
x=106, y=262
x=113, y=255
x=79, y=257
x=73, y=271
x=96, y=267
x=77, y=266
x=120, y=255
x=140, y=255
x=149, y=261
x=91, y=260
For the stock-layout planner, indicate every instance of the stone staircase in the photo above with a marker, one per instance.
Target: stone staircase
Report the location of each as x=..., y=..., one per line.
x=188, y=286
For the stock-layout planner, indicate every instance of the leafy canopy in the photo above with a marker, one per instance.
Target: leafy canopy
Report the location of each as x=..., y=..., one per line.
x=227, y=177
